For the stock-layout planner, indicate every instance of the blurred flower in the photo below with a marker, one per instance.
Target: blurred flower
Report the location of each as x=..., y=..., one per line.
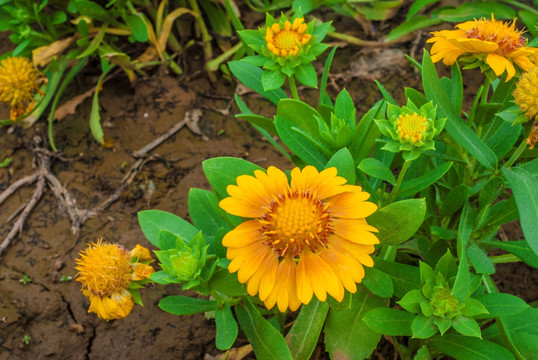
x=492, y=44
x=411, y=129
x=106, y=272
x=285, y=40
x=306, y=237
x=19, y=79
x=526, y=97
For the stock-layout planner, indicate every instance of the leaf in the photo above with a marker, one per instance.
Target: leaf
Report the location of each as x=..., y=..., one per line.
x=344, y=108
x=500, y=304
x=261, y=121
x=347, y=336
x=377, y=169
x=306, y=75
x=223, y=171
x=482, y=264
x=416, y=23
x=471, y=11
x=227, y=283
x=205, y=212
x=137, y=26
x=525, y=191
x=455, y=125
x=300, y=115
x=521, y=249
x=95, y=117
x=389, y=322
x=185, y=305
x=423, y=327
x=267, y=342
x=272, y=80
x=466, y=326
x=303, y=335
x=227, y=328
x=454, y=200
x=404, y=277
x=251, y=75
x=398, y=221
x=153, y=221
x=469, y=348
x=343, y=162
x=378, y=282
x=412, y=187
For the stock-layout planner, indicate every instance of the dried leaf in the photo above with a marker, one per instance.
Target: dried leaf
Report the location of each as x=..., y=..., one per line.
x=70, y=106
x=42, y=55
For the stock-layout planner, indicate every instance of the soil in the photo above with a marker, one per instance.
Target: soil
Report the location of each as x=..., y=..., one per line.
x=50, y=311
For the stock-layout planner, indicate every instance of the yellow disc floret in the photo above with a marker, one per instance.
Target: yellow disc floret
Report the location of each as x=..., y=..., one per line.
x=505, y=35
x=287, y=40
x=411, y=127
x=19, y=79
x=526, y=93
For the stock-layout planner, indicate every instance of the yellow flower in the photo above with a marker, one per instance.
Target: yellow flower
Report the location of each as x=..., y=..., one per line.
x=19, y=79
x=526, y=93
x=287, y=40
x=306, y=237
x=106, y=271
x=498, y=44
x=411, y=127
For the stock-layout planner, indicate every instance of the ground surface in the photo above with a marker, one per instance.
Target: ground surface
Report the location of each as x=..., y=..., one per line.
x=53, y=313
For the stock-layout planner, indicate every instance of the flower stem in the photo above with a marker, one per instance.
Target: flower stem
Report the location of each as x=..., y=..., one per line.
x=517, y=153
x=399, y=180
x=293, y=87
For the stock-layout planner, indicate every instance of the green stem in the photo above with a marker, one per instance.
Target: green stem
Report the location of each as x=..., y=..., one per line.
x=214, y=64
x=504, y=331
x=293, y=87
x=517, y=153
x=396, y=188
x=485, y=92
x=505, y=258
x=206, y=38
x=356, y=41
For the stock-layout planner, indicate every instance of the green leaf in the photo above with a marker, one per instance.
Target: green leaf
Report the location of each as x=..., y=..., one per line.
x=366, y=132
x=205, y=212
x=226, y=283
x=137, y=26
x=325, y=75
x=300, y=114
x=455, y=125
x=93, y=10
x=469, y=348
x=378, y=282
x=184, y=305
x=227, y=328
x=153, y=221
x=500, y=304
x=261, y=121
x=272, y=80
x=346, y=335
x=377, y=169
x=404, y=277
x=389, y=322
x=416, y=23
x=412, y=187
x=303, y=335
x=267, y=342
x=251, y=76
x=521, y=249
x=306, y=75
x=223, y=171
x=423, y=327
x=466, y=326
x=471, y=11
x=525, y=191
x=454, y=200
x=95, y=116
x=344, y=108
x=482, y=264
x=300, y=144
x=398, y=221
x=167, y=240
x=415, y=97
x=343, y=162
x=490, y=192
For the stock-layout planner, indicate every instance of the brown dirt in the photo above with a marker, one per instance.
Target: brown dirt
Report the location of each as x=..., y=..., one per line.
x=54, y=313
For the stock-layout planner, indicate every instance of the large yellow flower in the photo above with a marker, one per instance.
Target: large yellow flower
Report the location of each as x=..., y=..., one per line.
x=106, y=271
x=526, y=97
x=287, y=39
x=499, y=44
x=19, y=80
x=306, y=237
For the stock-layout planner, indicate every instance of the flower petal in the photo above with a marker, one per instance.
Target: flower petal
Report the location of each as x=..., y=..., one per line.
x=243, y=235
x=352, y=205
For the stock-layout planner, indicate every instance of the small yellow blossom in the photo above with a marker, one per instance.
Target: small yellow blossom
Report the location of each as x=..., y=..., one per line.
x=106, y=271
x=526, y=93
x=412, y=126
x=287, y=40
x=19, y=79
x=498, y=44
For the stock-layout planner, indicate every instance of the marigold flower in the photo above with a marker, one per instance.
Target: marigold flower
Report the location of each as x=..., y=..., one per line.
x=526, y=93
x=285, y=40
x=106, y=272
x=496, y=43
x=19, y=79
x=306, y=237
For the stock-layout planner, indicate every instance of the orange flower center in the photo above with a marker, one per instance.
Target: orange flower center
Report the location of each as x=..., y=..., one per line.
x=411, y=126
x=104, y=269
x=287, y=40
x=503, y=34
x=295, y=221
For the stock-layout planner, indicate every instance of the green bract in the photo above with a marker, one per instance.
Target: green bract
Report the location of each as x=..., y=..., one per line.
x=291, y=55
x=411, y=129
x=436, y=306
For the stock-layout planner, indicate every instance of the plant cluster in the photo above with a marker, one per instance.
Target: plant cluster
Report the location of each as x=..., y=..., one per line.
x=388, y=223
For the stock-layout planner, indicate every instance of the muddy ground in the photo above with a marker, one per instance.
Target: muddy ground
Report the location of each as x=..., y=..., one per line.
x=50, y=311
